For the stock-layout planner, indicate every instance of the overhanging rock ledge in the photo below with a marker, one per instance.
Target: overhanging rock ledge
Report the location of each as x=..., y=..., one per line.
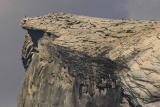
x=80, y=61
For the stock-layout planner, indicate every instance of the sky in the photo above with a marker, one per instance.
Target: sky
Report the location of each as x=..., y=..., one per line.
x=12, y=36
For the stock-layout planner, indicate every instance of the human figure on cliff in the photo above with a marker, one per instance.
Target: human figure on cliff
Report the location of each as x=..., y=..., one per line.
x=91, y=87
x=108, y=84
x=114, y=78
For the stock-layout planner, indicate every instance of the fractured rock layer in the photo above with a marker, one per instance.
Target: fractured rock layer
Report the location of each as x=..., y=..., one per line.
x=81, y=61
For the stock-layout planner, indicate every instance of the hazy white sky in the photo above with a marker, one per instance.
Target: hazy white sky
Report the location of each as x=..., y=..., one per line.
x=11, y=34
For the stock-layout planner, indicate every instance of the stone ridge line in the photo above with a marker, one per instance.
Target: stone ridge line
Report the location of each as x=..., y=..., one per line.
x=91, y=35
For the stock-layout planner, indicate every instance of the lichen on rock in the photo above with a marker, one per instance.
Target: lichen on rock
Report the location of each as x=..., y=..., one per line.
x=81, y=61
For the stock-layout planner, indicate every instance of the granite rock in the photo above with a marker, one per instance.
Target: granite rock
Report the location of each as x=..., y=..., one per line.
x=81, y=61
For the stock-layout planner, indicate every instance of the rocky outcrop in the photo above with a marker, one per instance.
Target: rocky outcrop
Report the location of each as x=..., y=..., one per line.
x=81, y=61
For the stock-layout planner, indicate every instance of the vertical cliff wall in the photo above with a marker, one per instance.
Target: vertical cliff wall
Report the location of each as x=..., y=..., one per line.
x=80, y=61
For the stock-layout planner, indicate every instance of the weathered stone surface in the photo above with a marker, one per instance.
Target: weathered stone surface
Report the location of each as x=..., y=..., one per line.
x=80, y=61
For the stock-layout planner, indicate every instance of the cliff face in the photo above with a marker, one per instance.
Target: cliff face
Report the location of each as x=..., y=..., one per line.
x=80, y=61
